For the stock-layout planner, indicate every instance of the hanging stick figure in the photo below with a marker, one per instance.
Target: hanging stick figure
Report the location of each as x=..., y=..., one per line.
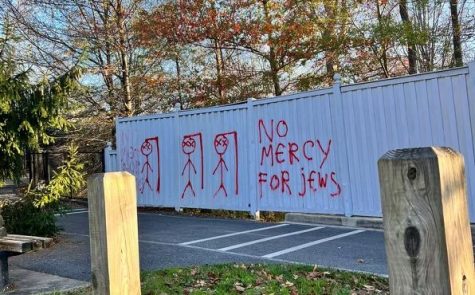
x=146, y=149
x=188, y=146
x=221, y=143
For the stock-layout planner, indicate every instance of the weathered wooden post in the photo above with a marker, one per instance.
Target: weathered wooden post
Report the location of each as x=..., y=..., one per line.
x=114, y=233
x=426, y=223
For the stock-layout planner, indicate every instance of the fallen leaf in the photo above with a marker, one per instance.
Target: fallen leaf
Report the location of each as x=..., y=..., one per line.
x=294, y=290
x=369, y=288
x=296, y=277
x=313, y=275
x=200, y=283
x=238, y=286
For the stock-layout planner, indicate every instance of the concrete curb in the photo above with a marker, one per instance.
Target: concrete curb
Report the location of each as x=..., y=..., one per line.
x=28, y=282
x=357, y=221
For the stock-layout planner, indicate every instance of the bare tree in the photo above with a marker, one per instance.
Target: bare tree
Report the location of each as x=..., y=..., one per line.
x=456, y=33
x=411, y=51
x=95, y=34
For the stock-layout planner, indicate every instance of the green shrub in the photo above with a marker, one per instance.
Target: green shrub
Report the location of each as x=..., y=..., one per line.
x=23, y=217
x=67, y=180
x=34, y=214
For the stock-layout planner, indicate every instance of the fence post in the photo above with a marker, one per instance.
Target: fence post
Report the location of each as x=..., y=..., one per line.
x=106, y=158
x=251, y=142
x=176, y=118
x=113, y=233
x=338, y=129
x=426, y=224
x=471, y=96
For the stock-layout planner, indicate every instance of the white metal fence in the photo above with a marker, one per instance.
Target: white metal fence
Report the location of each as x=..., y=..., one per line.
x=314, y=151
x=111, y=162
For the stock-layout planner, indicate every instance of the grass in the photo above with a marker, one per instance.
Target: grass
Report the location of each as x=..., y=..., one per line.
x=258, y=279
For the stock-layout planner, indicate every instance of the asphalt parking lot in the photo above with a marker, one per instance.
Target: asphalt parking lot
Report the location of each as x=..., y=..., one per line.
x=174, y=241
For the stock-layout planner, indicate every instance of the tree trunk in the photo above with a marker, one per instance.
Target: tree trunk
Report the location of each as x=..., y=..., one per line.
x=383, y=60
x=458, y=59
x=274, y=72
x=411, y=48
x=271, y=58
x=125, y=81
x=328, y=33
x=178, y=78
x=219, y=70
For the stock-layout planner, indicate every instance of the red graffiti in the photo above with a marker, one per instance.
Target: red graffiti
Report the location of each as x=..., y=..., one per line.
x=147, y=149
x=221, y=143
x=281, y=129
x=325, y=152
x=322, y=180
x=278, y=150
x=130, y=158
x=276, y=182
x=293, y=153
x=335, y=182
x=188, y=147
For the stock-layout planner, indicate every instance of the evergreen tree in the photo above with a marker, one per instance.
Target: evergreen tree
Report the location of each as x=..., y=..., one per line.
x=29, y=112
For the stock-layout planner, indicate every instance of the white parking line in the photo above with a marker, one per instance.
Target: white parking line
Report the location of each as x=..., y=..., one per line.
x=232, y=234
x=306, y=245
x=72, y=212
x=269, y=239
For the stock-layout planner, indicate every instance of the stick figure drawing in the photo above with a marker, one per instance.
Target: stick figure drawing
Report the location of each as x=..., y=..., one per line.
x=146, y=149
x=188, y=147
x=221, y=143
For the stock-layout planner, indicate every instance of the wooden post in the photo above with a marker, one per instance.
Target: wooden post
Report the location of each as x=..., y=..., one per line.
x=114, y=233
x=426, y=222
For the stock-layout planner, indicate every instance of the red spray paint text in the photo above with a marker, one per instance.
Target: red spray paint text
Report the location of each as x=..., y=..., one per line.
x=275, y=149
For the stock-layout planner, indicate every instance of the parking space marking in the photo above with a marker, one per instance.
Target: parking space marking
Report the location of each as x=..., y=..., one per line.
x=77, y=211
x=269, y=239
x=306, y=245
x=233, y=234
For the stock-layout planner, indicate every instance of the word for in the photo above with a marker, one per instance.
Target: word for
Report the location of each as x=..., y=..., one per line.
x=275, y=149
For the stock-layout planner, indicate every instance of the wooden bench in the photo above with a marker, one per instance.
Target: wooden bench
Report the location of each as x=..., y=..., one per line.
x=12, y=245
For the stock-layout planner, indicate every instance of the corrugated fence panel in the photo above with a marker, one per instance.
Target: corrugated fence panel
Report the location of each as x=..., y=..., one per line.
x=314, y=152
x=146, y=147
x=213, y=161
x=111, y=161
x=297, y=162
x=423, y=111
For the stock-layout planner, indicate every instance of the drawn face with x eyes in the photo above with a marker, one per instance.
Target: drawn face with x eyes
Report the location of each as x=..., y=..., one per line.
x=146, y=148
x=221, y=143
x=188, y=145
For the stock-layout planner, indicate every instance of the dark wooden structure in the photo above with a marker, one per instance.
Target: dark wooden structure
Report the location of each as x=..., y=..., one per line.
x=11, y=245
